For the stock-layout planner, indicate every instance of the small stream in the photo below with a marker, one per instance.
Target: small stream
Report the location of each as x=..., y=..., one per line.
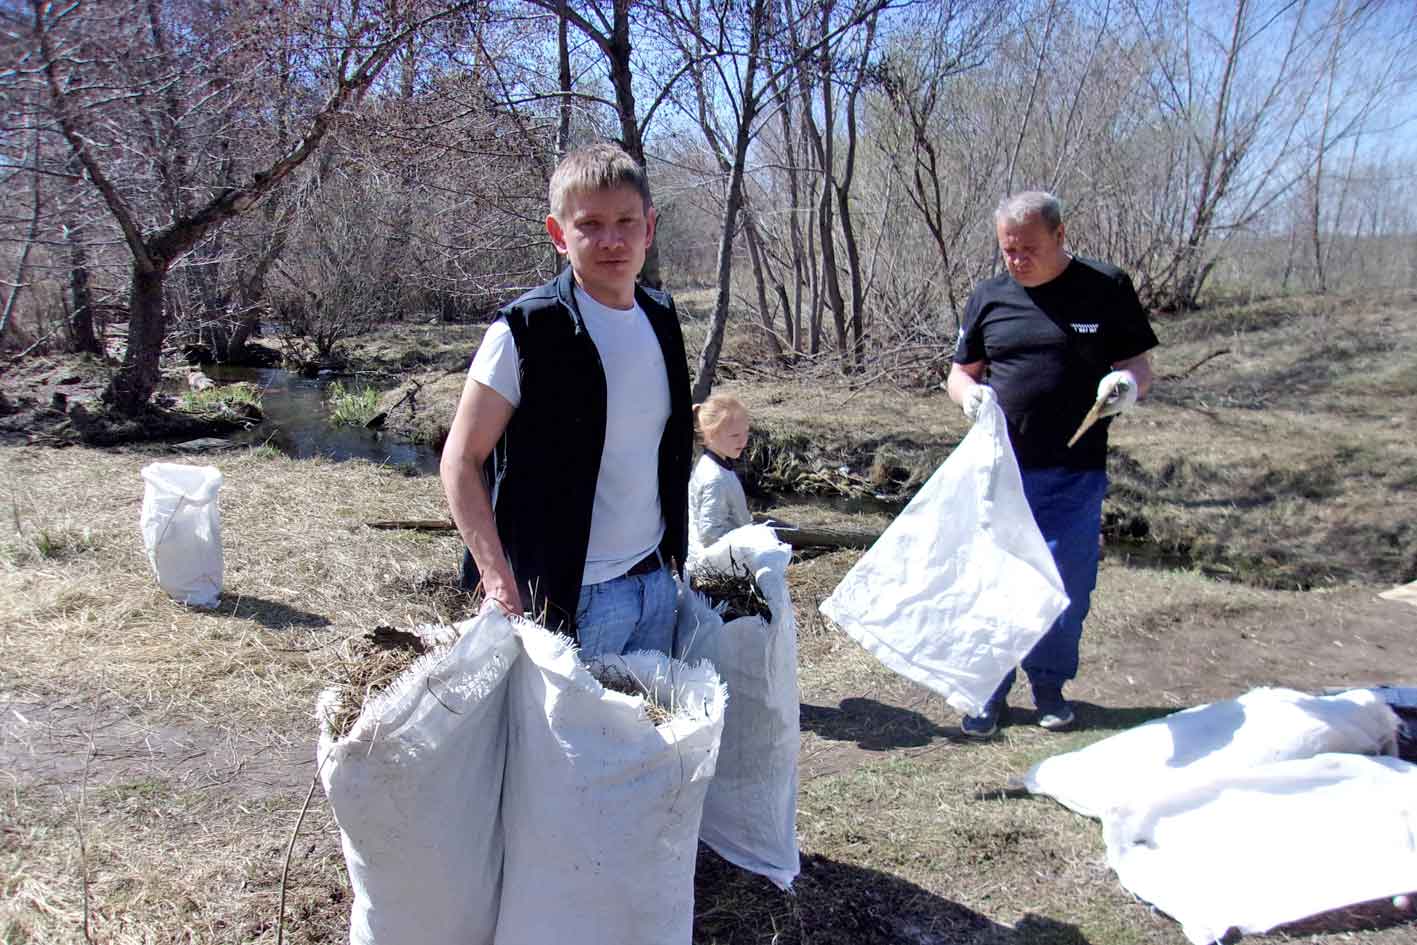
x=298, y=422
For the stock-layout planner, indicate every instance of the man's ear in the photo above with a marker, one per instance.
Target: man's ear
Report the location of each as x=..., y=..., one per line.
x=558, y=235
x=651, y=219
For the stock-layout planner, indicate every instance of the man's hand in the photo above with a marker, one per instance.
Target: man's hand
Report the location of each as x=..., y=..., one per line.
x=975, y=399
x=1118, y=392
x=501, y=590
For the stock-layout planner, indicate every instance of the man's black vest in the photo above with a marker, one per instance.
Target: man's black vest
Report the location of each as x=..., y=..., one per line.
x=543, y=472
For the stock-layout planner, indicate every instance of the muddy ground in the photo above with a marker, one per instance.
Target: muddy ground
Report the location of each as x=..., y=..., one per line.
x=154, y=759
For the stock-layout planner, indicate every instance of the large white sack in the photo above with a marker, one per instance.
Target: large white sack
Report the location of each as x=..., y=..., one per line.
x=1216, y=740
x=1254, y=849
x=181, y=526
x=601, y=806
x=750, y=813
x=961, y=585
x=416, y=788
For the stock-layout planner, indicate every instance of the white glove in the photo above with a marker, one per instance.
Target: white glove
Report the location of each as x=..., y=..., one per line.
x=1120, y=391
x=976, y=398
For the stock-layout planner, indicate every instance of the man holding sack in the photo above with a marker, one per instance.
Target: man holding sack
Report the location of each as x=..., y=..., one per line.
x=1062, y=342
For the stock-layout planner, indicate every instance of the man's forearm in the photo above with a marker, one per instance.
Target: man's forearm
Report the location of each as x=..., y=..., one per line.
x=471, y=506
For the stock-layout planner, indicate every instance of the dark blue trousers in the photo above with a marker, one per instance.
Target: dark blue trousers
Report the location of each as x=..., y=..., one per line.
x=1067, y=505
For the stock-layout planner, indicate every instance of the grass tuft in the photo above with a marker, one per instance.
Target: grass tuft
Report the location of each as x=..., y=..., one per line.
x=222, y=398
x=352, y=406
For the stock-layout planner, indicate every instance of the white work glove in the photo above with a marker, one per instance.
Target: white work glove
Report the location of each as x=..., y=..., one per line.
x=976, y=398
x=1119, y=389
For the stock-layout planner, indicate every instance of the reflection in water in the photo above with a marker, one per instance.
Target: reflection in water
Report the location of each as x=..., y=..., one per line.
x=297, y=422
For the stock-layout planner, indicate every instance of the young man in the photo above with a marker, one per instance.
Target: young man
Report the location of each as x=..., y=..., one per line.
x=567, y=463
x=1054, y=334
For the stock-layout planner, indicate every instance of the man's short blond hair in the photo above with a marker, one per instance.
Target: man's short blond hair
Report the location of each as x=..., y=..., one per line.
x=603, y=166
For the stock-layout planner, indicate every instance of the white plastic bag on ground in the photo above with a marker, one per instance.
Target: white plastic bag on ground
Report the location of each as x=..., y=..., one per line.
x=181, y=527
x=961, y=585
x=1220, y=739
x=1273, y=844
x=750, y=813
x=601, y=805
x=416, y=787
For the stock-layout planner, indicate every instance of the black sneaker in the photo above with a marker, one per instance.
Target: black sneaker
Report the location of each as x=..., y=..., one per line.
x=986, y=723
x=1054, y=713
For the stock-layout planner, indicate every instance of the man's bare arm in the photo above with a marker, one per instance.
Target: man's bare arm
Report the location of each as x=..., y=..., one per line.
x=481, y=418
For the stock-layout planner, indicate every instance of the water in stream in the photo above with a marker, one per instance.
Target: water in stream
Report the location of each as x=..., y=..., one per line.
x=298, y=422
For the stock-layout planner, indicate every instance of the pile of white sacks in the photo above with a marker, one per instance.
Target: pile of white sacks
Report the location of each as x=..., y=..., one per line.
x=496, y=792
x=1253, y=812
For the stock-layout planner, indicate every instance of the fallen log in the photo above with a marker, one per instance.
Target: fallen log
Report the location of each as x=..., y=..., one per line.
x=827, y=536
x=416, y=525
x=798, y=536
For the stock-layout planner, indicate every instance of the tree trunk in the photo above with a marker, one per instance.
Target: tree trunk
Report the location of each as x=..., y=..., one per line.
x=760, y=281
x=82, y=335
x=843, y=196
x=713, y=344
x=131, y=387
x=618, y=54
x=747, y=111
x=563, y=80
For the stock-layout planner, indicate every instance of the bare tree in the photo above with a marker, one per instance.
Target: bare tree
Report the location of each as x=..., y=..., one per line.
x=1238, y=95
x=20, y=282
x=1367, y=63
x=717, y=39
x=74, y=49
x=928, y=143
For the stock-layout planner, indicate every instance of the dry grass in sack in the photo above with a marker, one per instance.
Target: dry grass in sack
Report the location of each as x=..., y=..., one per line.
x=367, y=667
x=621, y=679
x=735, y=591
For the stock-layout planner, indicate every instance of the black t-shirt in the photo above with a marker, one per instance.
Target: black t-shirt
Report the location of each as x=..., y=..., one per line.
x=1047, y=347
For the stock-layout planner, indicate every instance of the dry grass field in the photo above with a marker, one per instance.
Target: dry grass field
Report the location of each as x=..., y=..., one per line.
x=154, y=759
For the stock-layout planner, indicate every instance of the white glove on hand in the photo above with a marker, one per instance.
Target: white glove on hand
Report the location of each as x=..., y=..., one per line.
x=976, y=398
x=1120, y=390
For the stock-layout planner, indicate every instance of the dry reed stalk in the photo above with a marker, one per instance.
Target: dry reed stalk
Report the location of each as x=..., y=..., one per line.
x=736, y=590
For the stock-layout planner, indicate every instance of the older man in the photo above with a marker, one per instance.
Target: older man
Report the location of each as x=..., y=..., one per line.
x=1048, y=338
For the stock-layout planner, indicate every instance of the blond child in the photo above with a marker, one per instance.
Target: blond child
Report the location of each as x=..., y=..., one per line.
x=717, y=504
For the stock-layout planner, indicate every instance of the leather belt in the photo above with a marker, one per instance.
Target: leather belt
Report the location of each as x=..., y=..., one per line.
x=649, y=564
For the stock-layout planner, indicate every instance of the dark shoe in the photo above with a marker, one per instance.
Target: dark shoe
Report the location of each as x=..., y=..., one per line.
x=1054, y=713
x=984, y=725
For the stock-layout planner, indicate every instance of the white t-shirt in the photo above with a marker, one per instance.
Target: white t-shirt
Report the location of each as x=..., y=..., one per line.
x=626, y=521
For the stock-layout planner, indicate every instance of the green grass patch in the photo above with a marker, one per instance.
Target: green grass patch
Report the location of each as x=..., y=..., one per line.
x=52, y=544
x=223, y=398
x=352, y=406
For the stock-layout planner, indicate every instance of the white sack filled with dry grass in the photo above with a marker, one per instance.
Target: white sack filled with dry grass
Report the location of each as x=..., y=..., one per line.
x=181, y=526
x=603, y=794
x=961, y=585
x=750, y=813
x=416, y=786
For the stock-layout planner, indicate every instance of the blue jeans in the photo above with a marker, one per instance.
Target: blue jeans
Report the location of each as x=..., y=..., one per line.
x=626, y=614
x=1067, y=505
